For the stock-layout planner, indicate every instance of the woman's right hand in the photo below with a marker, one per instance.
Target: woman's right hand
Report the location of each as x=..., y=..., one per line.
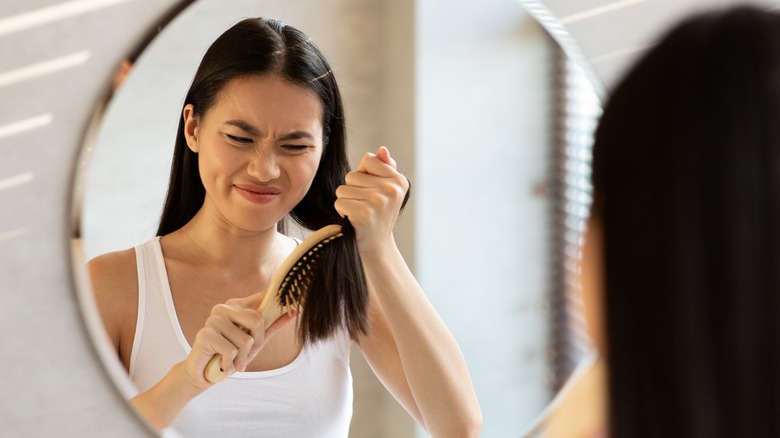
x=237, y=332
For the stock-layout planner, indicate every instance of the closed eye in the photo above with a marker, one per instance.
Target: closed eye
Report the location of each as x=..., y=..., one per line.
x=238, y=139
x=295, y=147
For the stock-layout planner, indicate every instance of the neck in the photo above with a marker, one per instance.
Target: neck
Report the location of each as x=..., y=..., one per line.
x=234, y=253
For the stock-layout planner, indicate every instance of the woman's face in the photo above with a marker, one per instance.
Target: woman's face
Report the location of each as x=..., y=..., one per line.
x=258, y=149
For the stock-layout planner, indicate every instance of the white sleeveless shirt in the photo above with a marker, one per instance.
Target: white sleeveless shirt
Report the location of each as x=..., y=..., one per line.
x=310, y=397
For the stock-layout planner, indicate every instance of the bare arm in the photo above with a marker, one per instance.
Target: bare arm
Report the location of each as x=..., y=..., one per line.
x=432, y=368
x=409, y=347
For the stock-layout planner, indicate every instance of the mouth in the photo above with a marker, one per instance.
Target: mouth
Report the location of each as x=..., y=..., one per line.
x=257, y=194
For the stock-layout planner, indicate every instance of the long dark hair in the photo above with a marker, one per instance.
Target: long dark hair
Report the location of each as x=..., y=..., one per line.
x=259, y=46
x=686, y=177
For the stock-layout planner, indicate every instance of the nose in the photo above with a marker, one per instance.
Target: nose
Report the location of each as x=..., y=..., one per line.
x=263, y=165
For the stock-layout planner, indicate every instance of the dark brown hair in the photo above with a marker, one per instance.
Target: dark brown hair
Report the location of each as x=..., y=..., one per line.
x=686, y=177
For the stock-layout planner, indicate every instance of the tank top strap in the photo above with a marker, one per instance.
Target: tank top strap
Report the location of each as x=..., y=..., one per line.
x=153, y=326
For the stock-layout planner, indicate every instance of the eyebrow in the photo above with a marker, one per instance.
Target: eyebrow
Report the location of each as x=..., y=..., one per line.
x=246, y=127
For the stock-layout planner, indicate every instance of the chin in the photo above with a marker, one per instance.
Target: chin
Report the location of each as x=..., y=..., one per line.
x=254, y=224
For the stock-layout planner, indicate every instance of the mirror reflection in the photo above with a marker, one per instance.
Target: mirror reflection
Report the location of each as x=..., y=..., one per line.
x=475, y=130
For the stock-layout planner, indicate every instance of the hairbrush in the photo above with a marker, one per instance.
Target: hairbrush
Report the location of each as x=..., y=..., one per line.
x=289, y=286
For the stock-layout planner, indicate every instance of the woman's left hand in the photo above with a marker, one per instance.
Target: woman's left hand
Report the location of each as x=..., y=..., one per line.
x=372, y=199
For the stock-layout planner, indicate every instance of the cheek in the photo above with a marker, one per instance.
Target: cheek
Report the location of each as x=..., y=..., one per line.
x=304, y=171
x=216, y=160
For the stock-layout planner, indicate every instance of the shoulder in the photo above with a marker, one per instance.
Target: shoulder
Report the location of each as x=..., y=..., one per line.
x=113, y=270
x=115, y=285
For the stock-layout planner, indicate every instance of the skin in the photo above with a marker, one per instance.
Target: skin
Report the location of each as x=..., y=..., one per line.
x=592, y=281
x=231, y=248
x=581, y=409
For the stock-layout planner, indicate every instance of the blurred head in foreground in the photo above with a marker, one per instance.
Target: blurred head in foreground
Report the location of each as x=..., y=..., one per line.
x=681, y=265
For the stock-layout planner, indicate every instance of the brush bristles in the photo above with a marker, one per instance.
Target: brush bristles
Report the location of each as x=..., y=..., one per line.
x=296, y=284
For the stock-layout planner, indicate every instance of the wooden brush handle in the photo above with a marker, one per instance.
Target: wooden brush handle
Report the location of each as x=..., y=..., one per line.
x=213, y=371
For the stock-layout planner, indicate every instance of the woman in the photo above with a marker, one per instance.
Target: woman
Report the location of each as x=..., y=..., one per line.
x=261, y=137
x=682, y=252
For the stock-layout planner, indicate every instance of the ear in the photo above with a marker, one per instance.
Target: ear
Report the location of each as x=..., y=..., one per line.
x=191, y=127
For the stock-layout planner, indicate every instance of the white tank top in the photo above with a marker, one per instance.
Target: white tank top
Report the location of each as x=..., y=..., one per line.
x=310, y=397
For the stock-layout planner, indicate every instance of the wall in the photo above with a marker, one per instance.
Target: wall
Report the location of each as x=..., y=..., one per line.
x=52, y=71
x=483, y=103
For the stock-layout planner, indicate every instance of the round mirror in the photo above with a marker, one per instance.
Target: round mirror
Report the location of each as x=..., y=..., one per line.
x=483, y=112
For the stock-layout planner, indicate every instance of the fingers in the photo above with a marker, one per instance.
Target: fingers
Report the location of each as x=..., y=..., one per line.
x=378, y=193
x=364, y=179
x=212, y=342
x=377, y=171
x=371, y=197
x=379, y=164
x=234, y=333
x=250, y=320
x=357, y=211
x=237, y=333
x=251, y=302
x=280, y=323
x=272, y=330
x=384, y=155
x=363, y=204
